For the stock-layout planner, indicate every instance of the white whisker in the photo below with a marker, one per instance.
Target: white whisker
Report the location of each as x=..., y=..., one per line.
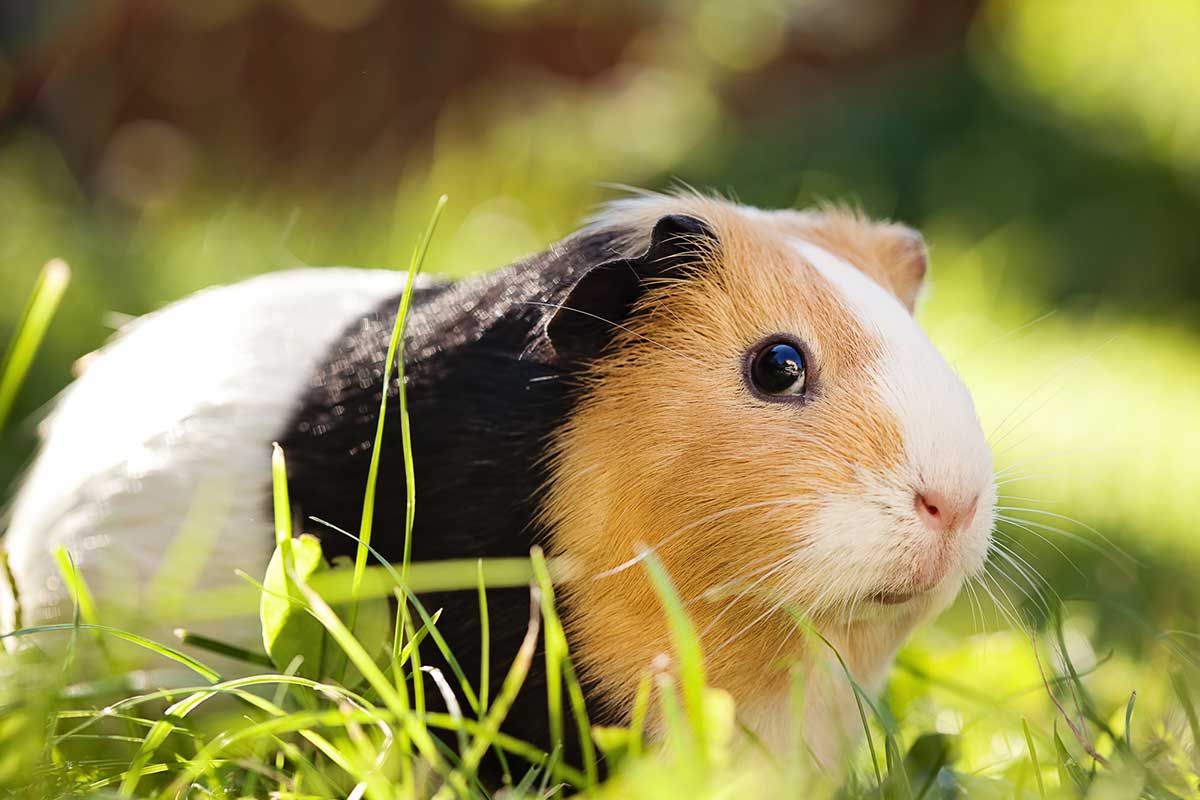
x=653, y=548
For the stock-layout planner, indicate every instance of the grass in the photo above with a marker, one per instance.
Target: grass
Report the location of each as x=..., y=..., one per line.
x=31, y=330
x=1058, y=707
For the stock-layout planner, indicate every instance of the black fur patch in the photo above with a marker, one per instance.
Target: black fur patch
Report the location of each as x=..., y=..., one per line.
x=484, y=394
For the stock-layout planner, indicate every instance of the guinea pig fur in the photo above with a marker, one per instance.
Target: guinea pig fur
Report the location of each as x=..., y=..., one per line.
x=743, y=392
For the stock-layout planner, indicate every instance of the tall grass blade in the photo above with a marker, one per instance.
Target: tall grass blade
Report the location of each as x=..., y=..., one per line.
x=281, y=503
x=1129, y=721
x=1033, y=757
x=166, y=652
x=1179, y=684
x=395, y=358
x=47, y=293
x=485, y=640
x=637, y=720
x=336, y=586
x=517, y=672
x=686, y=643
x=392, y=696
x=443, y=647
x=76, y=585
x=222, y=648
x=558, y=662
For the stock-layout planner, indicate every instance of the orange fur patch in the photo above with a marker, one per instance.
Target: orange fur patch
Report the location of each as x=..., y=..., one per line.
x=669, y=449
x=893, y=255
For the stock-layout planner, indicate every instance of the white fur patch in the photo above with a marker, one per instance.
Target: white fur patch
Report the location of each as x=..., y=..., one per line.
x=177, y=415
x=944, y=445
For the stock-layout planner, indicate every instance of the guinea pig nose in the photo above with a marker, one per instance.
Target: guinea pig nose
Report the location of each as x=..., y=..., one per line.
x=944, y=513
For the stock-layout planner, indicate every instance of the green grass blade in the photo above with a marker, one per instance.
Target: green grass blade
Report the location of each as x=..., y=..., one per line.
x=637, y=721
x=556, y=643
x=416, y=639
x=686, y=643
x=414, y=656
x=336, y=586
x=280, y=501
x=31, y=331
x=295, y=722
x=392, y=697
x=154, y=647
x=395, y=358
x=551, y=762
x=414, y=269
x=862, y=699
x=1179, y=684
x=485, y=640
x=513, y=680
x=1033, y=757
x=443, y=647
x=1129, y=721
x=191, y=549
x=505, y=743
x=222, y=648
x=77, y=586
x=897, y=775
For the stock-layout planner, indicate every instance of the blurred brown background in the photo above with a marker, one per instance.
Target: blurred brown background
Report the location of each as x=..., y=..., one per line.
x=311, y=90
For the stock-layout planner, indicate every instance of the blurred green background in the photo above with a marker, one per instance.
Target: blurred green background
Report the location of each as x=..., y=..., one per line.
x=1050, y=151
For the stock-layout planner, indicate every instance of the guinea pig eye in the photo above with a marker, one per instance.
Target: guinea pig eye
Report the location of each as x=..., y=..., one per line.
x=778, y=369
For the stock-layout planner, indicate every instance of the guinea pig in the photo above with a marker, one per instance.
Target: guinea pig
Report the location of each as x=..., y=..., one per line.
x=744, y=393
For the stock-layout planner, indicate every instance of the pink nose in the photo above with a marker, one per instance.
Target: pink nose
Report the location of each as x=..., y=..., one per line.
x=945, y=513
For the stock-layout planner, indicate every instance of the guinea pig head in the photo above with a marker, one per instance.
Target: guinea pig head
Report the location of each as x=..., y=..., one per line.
x=759, y=410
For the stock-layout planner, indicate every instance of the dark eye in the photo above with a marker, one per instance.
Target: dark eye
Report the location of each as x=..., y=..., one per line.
x=778, y=369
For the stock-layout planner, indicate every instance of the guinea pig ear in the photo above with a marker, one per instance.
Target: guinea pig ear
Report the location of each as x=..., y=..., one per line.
x=603, y=298
x=903, y=257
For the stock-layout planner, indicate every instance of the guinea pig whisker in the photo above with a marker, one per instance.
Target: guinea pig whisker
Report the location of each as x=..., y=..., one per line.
x=973, y=600
x=1008, y=448
x=1015, y=616
x=1007, y=479
x=977, y=349
x=1054, y=514
x=1046, y=382
x=774, y=608
x=1029, y=573
x=1051, y=457
x=1036, y=600
x=654, y=548
x=1073, y=521
x=1111, y=555
x=976, y=583
x=859, y=592
x=617, y=325
x=1005, y=609
x=749, y=579
x=751, y=571
x=783, y=642
x=1049, y=542
x=783, y=564
x=1021, y=499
